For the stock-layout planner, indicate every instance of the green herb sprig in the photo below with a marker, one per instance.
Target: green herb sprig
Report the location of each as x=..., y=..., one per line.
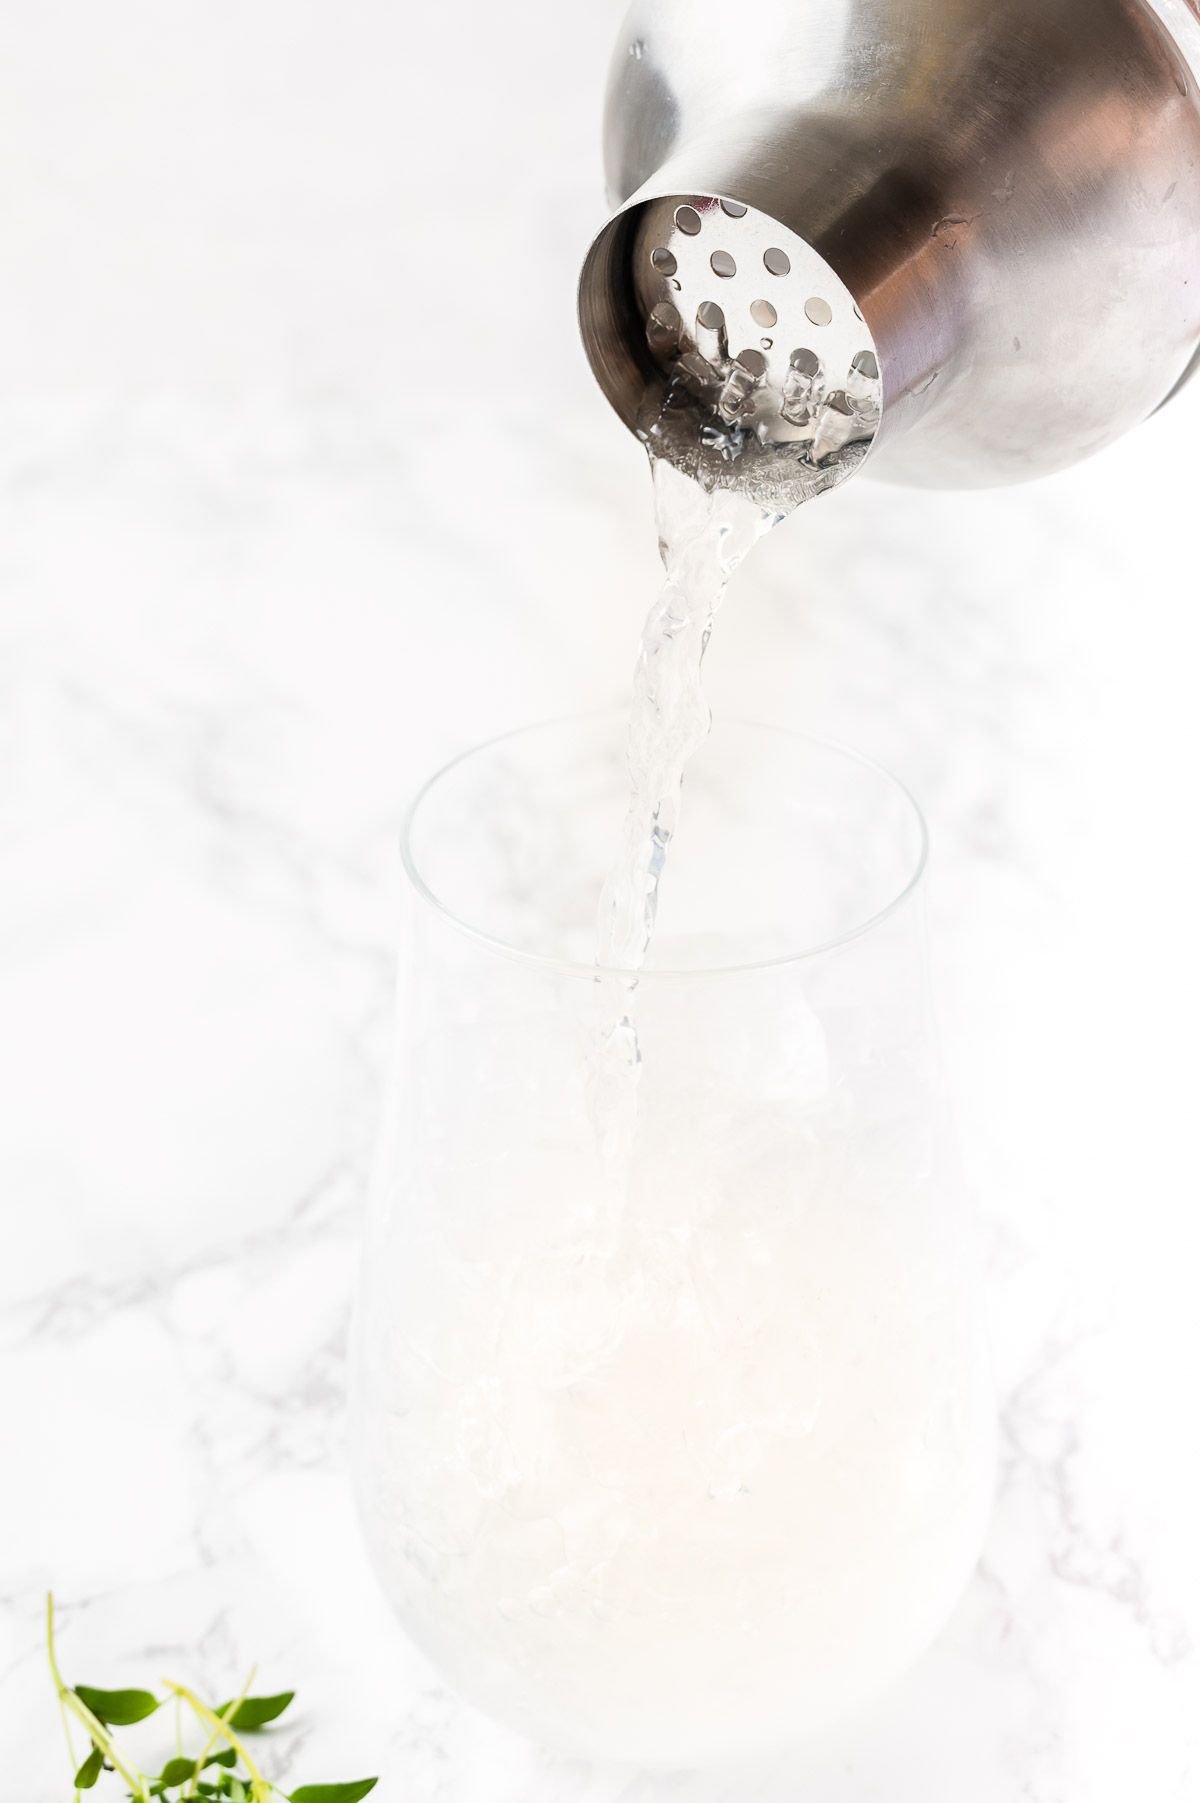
x=216, y=1773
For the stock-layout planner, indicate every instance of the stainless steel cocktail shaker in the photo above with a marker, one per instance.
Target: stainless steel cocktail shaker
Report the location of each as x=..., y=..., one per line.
x=960, y=235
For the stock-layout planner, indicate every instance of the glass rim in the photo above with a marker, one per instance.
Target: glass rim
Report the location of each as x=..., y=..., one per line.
x=576, y=968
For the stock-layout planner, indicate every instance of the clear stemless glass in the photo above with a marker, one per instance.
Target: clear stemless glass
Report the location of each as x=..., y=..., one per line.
x=681, y=1460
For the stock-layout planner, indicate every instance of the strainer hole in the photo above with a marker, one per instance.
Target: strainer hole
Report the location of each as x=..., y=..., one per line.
x=734, y=208
x=722, y=264
x=866, y=364
x=819, y=311
x=688, y=220
x=763, y=313
x=662, y=327
x=777, y=261
x=663, y=260
x=709, y=315
x=806, y=362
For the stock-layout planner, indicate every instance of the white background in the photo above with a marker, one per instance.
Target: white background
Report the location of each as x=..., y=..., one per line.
x=261, y=266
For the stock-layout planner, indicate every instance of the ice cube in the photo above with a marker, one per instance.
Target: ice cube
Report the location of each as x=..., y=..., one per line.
x=801, y=387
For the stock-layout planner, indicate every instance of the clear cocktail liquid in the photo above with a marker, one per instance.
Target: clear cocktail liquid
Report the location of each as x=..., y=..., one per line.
x=673, y=1420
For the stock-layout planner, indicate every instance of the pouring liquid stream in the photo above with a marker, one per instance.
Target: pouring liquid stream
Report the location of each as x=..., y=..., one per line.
x=703, y=535
x=732, y=453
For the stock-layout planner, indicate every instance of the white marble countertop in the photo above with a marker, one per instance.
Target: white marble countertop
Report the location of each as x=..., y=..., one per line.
x=260, y=265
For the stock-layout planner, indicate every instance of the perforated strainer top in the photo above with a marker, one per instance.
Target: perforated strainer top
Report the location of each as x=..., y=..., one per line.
x=757, y=333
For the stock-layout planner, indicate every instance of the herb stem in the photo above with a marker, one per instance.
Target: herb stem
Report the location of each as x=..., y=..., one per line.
x=222, y=1720
x=66, y=1722
x=69, y=1700
x=260, y=1789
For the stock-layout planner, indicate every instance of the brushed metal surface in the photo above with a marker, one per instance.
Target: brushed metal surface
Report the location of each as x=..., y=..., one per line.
x=1009, y=189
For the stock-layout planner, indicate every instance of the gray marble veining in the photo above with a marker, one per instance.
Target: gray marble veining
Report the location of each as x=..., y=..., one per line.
x=248, y=604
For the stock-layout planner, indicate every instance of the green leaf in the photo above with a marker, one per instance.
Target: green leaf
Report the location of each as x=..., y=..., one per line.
x=119, y=1708
x=176, y=1771
x=334, y=1793
x=227, y=1756
x=236, y=1791
x=90, y=1770
x=256, y=1712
